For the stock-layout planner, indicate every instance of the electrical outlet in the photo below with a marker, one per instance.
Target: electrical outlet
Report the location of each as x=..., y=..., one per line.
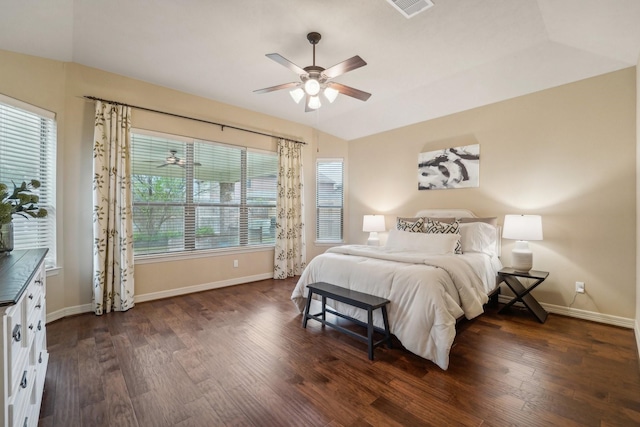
x=235, y=263
x=580, y=287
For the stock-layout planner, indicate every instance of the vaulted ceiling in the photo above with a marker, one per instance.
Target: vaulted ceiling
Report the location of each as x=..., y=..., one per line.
x=457, y=55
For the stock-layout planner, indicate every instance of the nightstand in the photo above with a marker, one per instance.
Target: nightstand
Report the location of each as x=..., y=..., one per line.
x=522, y=292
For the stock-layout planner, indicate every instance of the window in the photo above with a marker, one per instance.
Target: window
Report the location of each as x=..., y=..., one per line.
x=329, y=200
x=191, y=195
x=28, y=151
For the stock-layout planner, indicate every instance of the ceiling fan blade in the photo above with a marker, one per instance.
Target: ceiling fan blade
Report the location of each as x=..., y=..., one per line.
x=197, y=164
x=278, y=87
x=344, y=66
x=350, y=91
x=284, y=61
x=162, y=165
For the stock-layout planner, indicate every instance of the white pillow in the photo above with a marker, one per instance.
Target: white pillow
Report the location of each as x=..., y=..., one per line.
x=479, y=237
x=437, y=244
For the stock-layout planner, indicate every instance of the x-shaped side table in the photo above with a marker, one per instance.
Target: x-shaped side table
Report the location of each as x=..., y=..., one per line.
x=522, y=293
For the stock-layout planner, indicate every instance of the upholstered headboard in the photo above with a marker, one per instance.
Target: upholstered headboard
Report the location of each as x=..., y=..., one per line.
x=447, y=213
x=460, y=213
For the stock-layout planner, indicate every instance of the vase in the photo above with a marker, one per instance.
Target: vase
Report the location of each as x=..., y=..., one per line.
x=6, y=238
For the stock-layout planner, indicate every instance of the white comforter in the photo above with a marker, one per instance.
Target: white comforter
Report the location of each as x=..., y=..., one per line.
x=426, y=292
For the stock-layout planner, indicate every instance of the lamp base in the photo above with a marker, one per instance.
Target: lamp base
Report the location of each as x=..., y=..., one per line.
x=521, y=256
x=373, y=239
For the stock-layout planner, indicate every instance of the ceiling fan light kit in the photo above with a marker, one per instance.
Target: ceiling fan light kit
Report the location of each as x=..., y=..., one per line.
x=315, y=79
x=314, y=102
x=330, y=93
x=297, y=94
x=312, y=87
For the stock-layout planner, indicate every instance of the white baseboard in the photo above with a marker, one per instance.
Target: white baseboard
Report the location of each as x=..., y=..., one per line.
x=203, y=287
x=583, y=314
x=87, y=308
x=68, y=311
x=551, y=308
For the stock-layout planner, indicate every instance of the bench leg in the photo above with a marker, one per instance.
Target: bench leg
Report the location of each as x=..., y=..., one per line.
x=370, y=332
x=305, y=315
x=387, y=333
x=324, y=310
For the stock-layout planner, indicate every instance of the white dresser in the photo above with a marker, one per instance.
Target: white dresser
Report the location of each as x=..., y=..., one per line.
x=24, y=336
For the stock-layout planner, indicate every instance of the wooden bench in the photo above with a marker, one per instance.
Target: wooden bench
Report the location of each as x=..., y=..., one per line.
x=353, y=298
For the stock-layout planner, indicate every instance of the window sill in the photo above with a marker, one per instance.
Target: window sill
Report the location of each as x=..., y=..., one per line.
x=53, y=271
x=180, y=256
x=328, y=242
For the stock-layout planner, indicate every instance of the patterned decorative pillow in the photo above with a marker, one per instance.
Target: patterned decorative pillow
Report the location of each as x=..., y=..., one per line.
x=433, y=226
x=416, y=226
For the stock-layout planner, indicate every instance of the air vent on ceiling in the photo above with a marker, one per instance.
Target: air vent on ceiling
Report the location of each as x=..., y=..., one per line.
x=410, y=8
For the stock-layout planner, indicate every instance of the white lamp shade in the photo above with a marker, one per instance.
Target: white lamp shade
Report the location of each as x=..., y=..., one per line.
x=522, y=227
x=314, y=102
x=297, y=94
x=373, y=223
x=331, y=94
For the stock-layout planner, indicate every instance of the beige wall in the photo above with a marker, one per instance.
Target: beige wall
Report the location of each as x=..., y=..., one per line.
x=568, y=154
x=41, y=82
x=59, y=87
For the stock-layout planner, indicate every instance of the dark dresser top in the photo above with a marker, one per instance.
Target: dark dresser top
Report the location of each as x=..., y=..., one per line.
x=16, y=271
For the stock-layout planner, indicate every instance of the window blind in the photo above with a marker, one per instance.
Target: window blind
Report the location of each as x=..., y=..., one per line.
x=195, y=195
x=28, y=151
x=329, y=200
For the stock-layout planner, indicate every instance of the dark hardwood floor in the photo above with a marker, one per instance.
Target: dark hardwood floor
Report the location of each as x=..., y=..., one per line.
x=239, y=356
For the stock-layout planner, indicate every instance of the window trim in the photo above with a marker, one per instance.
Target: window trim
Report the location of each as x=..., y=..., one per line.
x=51, y=260
x=193, y=253
x=200, y=253
x=27, y=107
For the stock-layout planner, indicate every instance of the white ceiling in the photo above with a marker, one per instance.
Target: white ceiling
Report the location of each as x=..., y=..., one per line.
x=458, y=55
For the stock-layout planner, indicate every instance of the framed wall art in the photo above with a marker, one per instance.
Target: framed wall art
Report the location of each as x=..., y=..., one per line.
x=456, y=167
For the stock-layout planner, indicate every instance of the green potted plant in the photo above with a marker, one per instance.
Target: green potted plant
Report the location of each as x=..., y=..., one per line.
x=22, y=201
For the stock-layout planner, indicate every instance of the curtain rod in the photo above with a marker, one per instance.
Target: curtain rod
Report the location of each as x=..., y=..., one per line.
x=222, y=125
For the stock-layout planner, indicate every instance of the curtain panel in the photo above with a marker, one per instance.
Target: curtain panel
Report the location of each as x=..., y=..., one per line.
x=290, y=251
x=113, y=287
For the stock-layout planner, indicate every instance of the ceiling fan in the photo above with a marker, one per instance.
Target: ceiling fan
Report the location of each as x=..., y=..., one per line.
x=314, y=79
x=172, y=159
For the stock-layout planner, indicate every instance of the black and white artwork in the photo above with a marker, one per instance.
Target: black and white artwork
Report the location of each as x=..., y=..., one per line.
x=457, y=167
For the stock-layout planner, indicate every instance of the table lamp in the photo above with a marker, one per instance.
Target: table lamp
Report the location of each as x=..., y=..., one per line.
x=373, y=224
x=522, y=228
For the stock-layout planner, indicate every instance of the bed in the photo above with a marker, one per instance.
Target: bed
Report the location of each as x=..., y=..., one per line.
x=420, y=269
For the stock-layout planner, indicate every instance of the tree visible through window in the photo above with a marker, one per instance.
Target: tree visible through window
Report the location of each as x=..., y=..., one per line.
x=192, y=195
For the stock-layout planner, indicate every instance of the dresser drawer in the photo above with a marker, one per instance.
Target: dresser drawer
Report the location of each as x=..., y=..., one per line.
x=20, y=403
x=41, y=373
x=32, y=296
x=15, y=342
x=38, y=312
x=37, y=347
x=39, y=342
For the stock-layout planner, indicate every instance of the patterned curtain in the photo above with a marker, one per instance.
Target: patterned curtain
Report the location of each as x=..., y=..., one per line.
x=290, y=254
x=112, y=212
